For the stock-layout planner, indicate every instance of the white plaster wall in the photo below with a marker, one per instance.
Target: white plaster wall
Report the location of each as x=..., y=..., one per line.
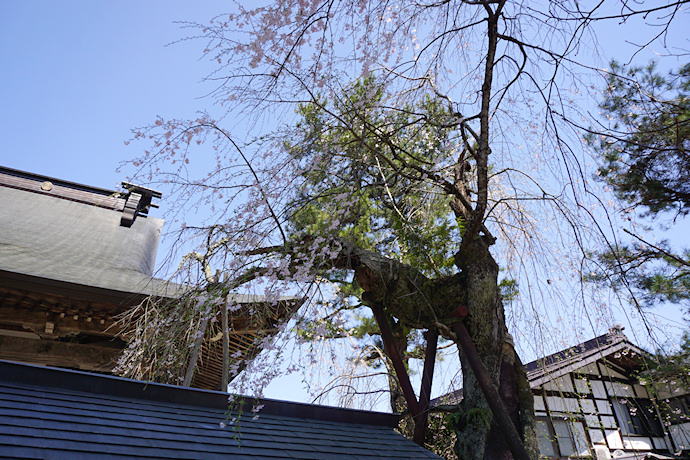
x=619, y=389
x=564, y=384
x=613, y=438
x=581, y=386
x=604, y=407
x=598, y=389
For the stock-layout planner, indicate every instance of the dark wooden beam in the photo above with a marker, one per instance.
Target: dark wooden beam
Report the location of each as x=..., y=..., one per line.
x=62, y=324
x=59, y=354
x=420, y=421
x=498, y=409
x=396, y=359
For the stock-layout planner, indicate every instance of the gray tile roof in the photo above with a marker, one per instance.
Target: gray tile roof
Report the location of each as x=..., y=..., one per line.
x=70, y=239
x=551, y=366
x=613, y=346
x=576, y=353
x=50, y=237
x=54, y=414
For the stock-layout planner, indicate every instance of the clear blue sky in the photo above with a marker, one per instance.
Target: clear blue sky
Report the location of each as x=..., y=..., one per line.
x=77, y=76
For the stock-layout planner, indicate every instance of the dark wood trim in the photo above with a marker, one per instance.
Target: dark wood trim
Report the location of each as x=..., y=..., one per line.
x=62, y=325
x=119, y=300
x=59, y=188
x=59, y=354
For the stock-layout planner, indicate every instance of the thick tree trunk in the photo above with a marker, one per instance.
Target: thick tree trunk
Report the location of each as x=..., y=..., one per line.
x=477, y=433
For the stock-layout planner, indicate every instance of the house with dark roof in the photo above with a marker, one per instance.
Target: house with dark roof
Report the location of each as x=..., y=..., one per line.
x=589, y=403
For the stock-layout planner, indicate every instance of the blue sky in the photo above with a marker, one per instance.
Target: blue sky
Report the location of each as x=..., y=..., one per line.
x=77, y=76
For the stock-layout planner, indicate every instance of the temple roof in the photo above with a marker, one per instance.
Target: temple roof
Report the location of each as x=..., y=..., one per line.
x=57, y=235
x=73, y=258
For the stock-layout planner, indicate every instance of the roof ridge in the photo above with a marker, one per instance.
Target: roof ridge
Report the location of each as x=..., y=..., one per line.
x=613, y=336
x=58, y=188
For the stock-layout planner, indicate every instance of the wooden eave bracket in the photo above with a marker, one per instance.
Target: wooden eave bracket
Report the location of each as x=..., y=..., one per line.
x=138, y=202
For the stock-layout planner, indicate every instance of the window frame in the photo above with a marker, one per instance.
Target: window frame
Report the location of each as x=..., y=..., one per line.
x=557, y=441
x=637, y=417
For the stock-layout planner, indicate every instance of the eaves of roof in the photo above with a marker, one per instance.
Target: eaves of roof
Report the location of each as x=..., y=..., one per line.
x=558, y=364
x=67, y=239
x=75, y=243
x=141, y=287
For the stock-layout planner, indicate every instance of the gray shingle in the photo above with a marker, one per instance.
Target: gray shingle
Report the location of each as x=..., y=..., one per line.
x=51, y=413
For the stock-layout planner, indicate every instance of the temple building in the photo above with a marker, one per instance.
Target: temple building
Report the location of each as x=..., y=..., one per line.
x=74, y=257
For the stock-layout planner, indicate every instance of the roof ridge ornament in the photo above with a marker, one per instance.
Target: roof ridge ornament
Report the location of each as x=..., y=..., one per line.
x=616, y=331
x=138, y=202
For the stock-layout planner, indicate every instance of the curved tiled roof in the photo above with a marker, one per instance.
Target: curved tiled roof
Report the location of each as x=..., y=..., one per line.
x=72, y=235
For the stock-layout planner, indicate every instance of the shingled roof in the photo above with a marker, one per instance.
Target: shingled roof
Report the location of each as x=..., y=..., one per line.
x=60, y=414
x=613, y=346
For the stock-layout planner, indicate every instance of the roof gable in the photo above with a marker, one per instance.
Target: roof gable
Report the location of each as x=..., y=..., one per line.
x=613, y=346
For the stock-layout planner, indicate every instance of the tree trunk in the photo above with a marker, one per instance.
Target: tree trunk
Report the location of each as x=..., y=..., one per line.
x=419, y=302
x=477, y=433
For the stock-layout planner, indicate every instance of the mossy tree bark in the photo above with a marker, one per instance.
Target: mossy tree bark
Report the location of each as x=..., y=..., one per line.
x=485, y=322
